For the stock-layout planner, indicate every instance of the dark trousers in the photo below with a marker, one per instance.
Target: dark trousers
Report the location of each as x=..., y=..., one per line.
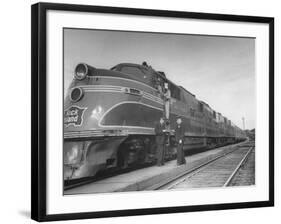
x=160, y=150
x=180, y=155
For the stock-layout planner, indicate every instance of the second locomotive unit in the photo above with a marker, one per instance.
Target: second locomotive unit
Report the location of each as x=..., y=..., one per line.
x=109, y=118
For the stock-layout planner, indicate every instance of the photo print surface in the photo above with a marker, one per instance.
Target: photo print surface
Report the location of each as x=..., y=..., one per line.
x=157, y=111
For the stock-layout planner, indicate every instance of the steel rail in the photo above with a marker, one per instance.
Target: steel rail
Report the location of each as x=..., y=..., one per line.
x=192, y=171
x=189, y=173
x=227, y=183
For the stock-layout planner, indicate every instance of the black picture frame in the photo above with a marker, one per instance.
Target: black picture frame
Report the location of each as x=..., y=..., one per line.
x=39, y=107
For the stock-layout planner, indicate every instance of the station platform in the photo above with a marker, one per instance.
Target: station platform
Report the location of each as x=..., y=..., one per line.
x=146, y=178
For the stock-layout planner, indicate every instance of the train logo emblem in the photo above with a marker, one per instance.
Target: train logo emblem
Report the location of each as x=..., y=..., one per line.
x=74, y=116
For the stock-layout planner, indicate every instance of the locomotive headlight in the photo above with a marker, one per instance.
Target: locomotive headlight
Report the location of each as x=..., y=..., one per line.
x=76, y=94
x=81, y=71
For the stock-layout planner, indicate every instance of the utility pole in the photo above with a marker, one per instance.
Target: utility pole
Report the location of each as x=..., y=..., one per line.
x=243, y=120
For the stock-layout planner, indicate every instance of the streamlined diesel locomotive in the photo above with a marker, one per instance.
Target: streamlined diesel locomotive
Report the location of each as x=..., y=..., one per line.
x=110, y=115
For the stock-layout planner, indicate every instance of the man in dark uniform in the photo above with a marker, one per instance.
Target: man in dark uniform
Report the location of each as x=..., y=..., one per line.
x=179, y=134
x=160, y=141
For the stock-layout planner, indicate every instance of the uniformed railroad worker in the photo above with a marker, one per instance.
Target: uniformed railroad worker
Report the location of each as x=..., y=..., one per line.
x=179, y=134
x=160, y=141
x=167, y=98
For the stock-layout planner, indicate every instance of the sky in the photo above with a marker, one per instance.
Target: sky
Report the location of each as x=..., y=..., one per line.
x=218, y=70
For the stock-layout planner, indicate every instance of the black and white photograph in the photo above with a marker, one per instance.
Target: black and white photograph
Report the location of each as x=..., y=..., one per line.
x=147, y=111
x=142, y=111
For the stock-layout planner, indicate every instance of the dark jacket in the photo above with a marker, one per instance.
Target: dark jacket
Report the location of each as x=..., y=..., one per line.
x=179, y=133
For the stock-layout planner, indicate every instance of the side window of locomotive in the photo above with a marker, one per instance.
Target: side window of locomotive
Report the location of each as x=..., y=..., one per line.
x=214, y=115
x=225, y=121
x=157, y=82
x=115, y=68
x=175, y=92
x=192, y=112
x=200, y=107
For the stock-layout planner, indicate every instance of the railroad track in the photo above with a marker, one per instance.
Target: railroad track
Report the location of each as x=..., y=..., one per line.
x=216, y=172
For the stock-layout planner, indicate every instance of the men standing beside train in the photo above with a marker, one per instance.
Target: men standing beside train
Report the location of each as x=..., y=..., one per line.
x=179, y=135
x=160, y=141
